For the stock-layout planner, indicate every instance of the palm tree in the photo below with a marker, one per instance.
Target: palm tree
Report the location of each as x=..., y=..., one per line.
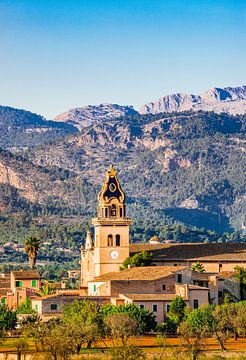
x=32, y=245
x=198, y=267
x=46, y=289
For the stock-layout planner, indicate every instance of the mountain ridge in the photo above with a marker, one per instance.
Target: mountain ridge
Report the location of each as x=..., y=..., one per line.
x=231, y=100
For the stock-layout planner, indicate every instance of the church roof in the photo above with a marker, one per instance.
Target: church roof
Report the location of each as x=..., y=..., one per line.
x=150, y=297
x=147, y=273
x=193, y=251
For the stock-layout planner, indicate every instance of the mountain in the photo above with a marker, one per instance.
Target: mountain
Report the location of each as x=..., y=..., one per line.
x=20, y=128
x=229, y=100
x=181, y=167
x=88, y=115
x=185, y=166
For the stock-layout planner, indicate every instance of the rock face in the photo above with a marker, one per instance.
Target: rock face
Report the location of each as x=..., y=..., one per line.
x=88, y=115
x=230, y=100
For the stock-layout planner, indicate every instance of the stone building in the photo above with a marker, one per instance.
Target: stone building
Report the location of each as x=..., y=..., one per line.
x=110, y=246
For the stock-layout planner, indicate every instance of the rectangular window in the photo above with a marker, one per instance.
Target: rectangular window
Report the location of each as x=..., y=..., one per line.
x=179, y=278
x=220, y=294
x=167, y=308
x=53, y=306
x=94, y=288
x=18, y=283
x=141, y=306
x=34, y=283
x=163, y=286
x=154, y=307
x=3, y=301
x=195, y=303
x=36, y=307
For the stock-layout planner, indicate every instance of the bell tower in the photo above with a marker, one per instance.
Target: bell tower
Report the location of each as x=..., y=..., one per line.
x=111, y=245
x=111, y=232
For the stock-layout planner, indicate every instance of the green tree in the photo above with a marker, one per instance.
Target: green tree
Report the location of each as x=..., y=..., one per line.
x=8, y=319
x=240, y=276
x=120, y=327
x=25, y=307
x=46, y=289
x=84, y=322
x=195, y=327
x=198, y=267
x=145, y=319
x=32, y=246
x=177, y=308
x=144, y=258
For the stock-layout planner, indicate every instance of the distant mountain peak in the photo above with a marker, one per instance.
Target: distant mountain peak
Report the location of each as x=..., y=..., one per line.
x=88, y=115
x=231, y=100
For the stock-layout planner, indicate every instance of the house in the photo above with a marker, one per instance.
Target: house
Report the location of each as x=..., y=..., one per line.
x=17, y=286
x=52, y=305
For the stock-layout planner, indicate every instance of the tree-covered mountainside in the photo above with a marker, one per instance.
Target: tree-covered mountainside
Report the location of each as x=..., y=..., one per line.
x=180, y=172
x=20, y=128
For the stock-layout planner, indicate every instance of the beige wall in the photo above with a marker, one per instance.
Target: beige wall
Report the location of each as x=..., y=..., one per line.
x=87, y=266
x=210, y=266
x=116, y=287
x=200, y=295
x=102, y=258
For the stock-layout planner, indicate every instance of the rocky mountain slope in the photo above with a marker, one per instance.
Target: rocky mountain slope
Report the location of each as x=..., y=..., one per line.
x=20, y=128
x=88, y=115
x=182, y=166
x=230, y=100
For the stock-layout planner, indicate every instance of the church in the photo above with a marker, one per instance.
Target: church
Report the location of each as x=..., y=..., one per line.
x=111, y=244
x=111, y=232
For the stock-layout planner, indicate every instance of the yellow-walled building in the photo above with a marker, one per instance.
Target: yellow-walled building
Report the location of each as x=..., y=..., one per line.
x=111, y=232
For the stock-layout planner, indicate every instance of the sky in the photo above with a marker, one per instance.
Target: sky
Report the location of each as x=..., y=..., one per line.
x=60, y=54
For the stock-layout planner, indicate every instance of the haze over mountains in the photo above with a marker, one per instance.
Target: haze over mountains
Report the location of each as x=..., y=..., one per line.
x=183, y=166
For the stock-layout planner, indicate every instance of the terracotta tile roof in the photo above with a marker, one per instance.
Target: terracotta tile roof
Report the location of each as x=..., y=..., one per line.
x=150, y=297
x=4, y=283
x=140, y=273
x=194, y=251
x=26, y=274
x=66, y=296
x=4, y=291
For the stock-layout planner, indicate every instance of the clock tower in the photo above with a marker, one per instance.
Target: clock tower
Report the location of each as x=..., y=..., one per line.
x=111, y=232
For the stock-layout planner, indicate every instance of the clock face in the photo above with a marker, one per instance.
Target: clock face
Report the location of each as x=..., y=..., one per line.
x=114, y=254
x=112, y=187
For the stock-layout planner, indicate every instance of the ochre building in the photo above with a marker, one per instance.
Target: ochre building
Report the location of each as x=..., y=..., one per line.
x=111, y=232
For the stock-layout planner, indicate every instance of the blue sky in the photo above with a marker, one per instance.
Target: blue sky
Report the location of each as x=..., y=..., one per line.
x=59, y=54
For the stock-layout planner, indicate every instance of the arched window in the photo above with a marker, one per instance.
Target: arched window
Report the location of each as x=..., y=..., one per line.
x=110, y=240
x=113, y=210
x=117, y=240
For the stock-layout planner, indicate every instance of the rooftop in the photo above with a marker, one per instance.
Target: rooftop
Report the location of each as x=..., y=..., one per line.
x=26, y=274
x=194, y=251
x=150, y=297
x=140, y=273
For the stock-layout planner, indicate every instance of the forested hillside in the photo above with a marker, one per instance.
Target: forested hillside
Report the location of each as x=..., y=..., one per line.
x=180, y=172
x=20, y=128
